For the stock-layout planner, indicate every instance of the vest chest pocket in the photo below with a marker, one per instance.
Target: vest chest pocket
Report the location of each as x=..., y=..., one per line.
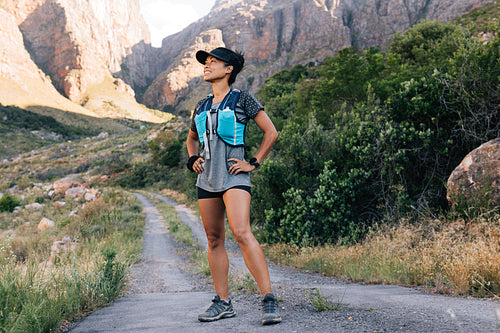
x=229, y=129
x=201, y=125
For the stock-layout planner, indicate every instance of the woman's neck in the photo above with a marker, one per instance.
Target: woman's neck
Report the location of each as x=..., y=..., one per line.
x=220, y=91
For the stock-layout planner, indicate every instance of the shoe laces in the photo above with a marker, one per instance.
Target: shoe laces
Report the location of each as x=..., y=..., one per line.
x=270, y=305
x=217, y=304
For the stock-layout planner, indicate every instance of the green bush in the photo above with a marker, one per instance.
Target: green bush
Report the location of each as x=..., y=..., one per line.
x=166, y=149
x=8, y=203
x=371, y=134
x=325, y=216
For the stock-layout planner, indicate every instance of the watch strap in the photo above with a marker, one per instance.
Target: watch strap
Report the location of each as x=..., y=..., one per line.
x=254, y=162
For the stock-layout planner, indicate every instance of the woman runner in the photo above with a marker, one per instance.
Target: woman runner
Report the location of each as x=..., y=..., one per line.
x=223, y=182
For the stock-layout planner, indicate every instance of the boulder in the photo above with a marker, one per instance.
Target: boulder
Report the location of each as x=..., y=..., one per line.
x=62, y=185
x=45, y=224
x=91, y=194
x=102, y=136
x=59, y=247
x=58, y=204
x=75, y=192
x=478, y=176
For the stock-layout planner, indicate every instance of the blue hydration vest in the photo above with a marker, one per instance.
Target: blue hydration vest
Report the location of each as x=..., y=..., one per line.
x=228, y=128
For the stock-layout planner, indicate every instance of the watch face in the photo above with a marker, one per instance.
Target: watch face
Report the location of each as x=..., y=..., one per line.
x=254, y=162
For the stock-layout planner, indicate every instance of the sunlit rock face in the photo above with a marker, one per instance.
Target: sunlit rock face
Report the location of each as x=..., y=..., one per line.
x=275, y=34
x=80, y=42
x=72, y=46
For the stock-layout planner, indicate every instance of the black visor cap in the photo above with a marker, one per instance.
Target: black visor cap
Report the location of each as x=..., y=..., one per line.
x=220, y=53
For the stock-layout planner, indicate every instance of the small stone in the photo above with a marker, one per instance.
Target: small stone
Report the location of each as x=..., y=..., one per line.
x=46, y=224
x=34, y=205
x=59, y=204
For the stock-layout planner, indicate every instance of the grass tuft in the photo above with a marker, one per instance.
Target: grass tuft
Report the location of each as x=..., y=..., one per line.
x=322, y=303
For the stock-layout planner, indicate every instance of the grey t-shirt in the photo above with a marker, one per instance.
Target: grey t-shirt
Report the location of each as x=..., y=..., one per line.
x=215, y=177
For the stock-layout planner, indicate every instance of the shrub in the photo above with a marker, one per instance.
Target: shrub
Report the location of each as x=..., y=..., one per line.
x=166, y=149
x=8, y=203
x=392, y=125
x=325, y=216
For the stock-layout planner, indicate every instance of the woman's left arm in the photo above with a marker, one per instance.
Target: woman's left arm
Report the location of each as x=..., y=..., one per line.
x=270, y=135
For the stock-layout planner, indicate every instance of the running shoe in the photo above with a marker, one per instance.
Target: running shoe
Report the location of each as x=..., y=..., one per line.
x=270, y=307
x=218, y=310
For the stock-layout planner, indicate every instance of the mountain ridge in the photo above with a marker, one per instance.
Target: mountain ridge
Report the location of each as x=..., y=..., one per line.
x=276, y=34
x=96, y=57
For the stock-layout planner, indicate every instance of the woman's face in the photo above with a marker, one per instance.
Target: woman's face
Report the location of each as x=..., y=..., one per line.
x=215, y=70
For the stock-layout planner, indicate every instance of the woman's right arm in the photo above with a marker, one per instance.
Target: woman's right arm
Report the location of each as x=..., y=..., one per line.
x=192, y=143
x=193, y=147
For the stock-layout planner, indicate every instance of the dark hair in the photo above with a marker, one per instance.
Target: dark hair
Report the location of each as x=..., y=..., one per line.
x=237, y=61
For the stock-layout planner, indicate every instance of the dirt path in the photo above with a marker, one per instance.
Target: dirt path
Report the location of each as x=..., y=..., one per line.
x=165, y=297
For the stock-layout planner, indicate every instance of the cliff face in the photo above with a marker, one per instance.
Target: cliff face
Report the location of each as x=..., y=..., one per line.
x=15, y=61
x=22, y=82
x=274, y=34
x=97, y=51
x=80, y=42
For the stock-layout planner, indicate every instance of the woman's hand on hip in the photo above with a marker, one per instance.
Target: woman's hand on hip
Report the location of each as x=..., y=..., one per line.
x=198, y=165
x=239, y=166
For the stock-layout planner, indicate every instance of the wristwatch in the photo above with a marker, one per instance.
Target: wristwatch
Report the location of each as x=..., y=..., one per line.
x=254, y=162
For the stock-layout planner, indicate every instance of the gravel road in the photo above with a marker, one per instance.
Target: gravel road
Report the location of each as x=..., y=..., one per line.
x=165, y=296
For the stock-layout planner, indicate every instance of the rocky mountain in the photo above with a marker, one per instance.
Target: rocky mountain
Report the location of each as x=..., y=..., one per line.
x=95, y=57
x=75, y=46
x=274, y=34
x=22, y=81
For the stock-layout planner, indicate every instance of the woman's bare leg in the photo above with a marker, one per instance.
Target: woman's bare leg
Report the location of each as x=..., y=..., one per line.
x=212, y=215
x=237, y=203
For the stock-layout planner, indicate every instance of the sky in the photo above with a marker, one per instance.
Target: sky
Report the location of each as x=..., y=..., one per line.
x=166, y=17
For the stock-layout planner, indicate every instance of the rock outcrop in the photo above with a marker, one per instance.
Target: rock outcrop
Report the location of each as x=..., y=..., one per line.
x=173, y=83
x=18, y=72
x=65, y=54
x=72, y=187
x=275, y=34
x=477, y=178
x=78, y=44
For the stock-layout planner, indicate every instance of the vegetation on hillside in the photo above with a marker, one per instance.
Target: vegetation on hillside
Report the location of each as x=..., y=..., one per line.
x=38, y=294
x=372, y=136
x=366, y=138
x=22, y=130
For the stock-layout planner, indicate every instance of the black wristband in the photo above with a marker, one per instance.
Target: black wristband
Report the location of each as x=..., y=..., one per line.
x=191, y=161
x=254, y=162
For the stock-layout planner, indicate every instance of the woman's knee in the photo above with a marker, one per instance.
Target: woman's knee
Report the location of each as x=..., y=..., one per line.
x=215, y=240
x=244, y=237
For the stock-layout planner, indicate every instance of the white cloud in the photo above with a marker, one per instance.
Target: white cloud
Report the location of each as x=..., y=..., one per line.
x=166, y=17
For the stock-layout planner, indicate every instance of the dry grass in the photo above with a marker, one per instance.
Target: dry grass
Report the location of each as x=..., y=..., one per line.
x=38, y=293
x=452, y=258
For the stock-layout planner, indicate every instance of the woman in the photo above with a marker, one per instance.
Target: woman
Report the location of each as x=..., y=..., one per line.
x=224, y=177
